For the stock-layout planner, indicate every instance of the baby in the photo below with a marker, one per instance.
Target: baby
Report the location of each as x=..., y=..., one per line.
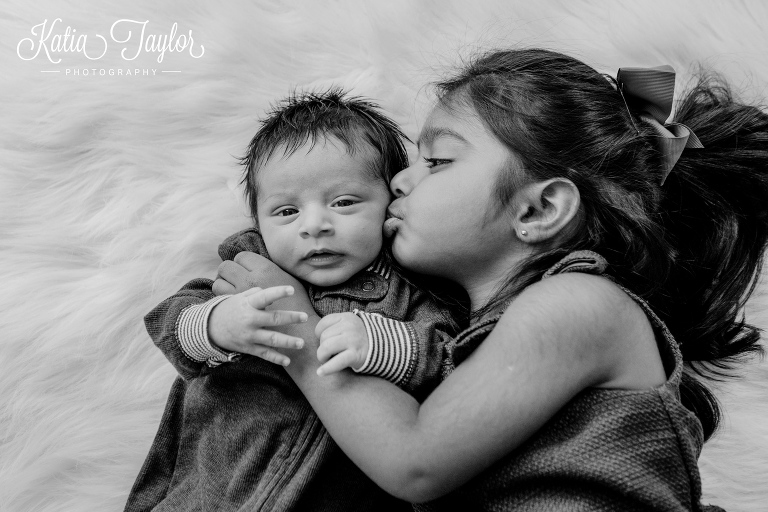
x=236, y=433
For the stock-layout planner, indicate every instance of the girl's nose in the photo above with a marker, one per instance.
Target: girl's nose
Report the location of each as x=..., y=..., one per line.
x=404, y=181
x=315, y=222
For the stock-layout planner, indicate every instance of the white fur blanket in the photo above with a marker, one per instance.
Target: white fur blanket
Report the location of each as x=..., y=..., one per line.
x=117, y=186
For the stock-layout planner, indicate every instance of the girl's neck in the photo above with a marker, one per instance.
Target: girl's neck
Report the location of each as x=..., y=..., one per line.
x=484, y=288
x=481, y=294
x=485, y=279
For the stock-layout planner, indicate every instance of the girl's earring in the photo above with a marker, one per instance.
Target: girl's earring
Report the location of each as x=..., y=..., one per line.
x=523, y=232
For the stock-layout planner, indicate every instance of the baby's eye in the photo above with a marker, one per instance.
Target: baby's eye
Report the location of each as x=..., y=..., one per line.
x=287, y=212
x=434, y=162
x=344, y=202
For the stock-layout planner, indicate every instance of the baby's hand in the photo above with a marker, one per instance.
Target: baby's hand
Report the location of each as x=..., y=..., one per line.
x=343, y=342
x=240, y=324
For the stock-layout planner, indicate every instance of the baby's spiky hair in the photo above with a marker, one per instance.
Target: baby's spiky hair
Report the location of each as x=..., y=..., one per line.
x=303, y=118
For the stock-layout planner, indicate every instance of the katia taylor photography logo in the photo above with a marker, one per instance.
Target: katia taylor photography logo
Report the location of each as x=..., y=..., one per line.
x=131, y=38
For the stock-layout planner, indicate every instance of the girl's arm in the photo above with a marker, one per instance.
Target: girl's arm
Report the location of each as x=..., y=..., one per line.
x=557, y=338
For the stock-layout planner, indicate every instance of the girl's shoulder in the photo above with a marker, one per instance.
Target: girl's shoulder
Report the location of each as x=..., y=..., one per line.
x=578, y=299
x=576, y=290
x=598, y=320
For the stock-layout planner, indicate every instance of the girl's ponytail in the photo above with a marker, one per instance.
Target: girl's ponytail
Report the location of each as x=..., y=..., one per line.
x=715, y=212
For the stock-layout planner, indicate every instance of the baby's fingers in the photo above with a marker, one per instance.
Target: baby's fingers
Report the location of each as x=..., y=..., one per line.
x=329, y=347
x=344, y=360
x=279, y=317
x=263, y=298
x=270, y=355
x=274, y=339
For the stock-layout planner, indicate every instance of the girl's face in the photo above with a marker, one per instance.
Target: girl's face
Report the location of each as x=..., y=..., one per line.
x=446, y=220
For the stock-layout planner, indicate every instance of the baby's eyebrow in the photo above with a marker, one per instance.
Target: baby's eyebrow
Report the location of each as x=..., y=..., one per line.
x=276, y=195
x=431, y=133
x=341, y=187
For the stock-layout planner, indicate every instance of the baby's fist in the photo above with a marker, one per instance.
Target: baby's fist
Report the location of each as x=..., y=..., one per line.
x=343, y=343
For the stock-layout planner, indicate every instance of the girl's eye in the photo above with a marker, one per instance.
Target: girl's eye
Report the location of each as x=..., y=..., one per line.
x=287, y=212
x=434, y=162
x=344, y=202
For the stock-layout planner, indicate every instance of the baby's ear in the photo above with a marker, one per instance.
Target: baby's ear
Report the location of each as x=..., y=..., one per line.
x=545, y=209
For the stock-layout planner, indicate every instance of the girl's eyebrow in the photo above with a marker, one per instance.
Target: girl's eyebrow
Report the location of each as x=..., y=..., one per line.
x=431, y=133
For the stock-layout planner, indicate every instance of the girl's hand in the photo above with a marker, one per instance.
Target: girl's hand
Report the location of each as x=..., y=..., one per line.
x=241, y=324
x=249, y=270
x=343, y=342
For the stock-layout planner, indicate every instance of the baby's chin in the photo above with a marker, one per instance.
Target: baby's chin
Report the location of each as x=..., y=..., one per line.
x=326, y=278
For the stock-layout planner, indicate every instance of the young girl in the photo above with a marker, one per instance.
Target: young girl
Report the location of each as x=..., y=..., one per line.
x=606, y=267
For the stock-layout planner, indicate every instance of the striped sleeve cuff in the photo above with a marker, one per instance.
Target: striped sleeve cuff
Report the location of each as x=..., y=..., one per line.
x=192, y=333
x=390, y=347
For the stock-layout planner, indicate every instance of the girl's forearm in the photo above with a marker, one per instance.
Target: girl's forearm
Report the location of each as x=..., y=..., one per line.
x=373, y=421
x=511, y=385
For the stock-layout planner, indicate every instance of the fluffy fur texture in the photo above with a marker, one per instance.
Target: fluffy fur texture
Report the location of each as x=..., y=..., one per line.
x=116, y=190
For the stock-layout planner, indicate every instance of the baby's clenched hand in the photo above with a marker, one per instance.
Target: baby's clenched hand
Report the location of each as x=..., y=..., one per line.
x=343, y=343
x=240, y=324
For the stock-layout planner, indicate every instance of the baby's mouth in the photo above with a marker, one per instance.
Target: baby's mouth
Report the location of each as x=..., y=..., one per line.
x=321, y=254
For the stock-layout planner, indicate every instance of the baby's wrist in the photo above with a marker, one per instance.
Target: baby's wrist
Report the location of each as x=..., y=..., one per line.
x=366, y=351
x=390, y=349
x=224, y=349
x=223, y=346
x=193, y=331
x=363, y=350
x=218, y=332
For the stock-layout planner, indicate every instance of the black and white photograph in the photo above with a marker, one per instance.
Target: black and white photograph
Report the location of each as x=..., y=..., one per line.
x=373, y=255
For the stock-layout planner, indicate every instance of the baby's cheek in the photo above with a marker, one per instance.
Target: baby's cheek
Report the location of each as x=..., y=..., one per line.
x=375, y=234
x=280, y=250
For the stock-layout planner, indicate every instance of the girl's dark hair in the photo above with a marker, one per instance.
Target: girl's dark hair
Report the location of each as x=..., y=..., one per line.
x=692, y=248
x=302, y=118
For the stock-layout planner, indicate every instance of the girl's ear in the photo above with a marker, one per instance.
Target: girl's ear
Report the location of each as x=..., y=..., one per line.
x=545, y=209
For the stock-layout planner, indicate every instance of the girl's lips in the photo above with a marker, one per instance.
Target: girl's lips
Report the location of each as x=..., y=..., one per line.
x=390, y=226
x=394, y=218
x=394, y=210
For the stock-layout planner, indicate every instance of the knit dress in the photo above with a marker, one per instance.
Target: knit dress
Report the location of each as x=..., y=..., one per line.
x=606, y=450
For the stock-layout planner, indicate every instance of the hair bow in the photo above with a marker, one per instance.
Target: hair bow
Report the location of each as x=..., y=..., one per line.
x=649, y=91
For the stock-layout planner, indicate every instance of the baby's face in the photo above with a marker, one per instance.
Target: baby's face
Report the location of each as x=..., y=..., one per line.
x=320, y=212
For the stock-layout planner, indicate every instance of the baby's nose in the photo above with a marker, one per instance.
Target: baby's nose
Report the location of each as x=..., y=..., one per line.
x=315, y=222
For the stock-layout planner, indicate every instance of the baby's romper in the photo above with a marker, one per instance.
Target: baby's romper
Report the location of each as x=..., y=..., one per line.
x=240, y=436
